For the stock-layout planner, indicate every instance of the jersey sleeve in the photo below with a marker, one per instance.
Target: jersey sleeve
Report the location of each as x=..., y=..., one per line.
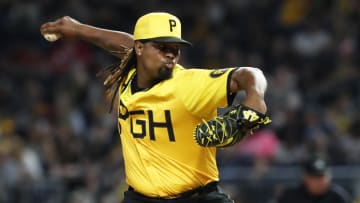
x=203, y=91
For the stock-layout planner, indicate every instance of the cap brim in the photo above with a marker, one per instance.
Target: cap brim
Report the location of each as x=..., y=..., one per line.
x=316, y=173
x=170, y=40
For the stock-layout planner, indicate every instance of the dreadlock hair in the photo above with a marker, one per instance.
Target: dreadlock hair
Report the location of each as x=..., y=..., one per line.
x=114, y=75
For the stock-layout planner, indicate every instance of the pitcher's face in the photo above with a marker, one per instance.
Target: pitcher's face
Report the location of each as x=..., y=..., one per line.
x=157, y=59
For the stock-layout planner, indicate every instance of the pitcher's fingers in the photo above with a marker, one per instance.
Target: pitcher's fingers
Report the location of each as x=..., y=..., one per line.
x=49, y=27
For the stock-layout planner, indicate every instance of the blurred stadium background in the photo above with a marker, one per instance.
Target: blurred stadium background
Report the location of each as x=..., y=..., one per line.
x=59, y=144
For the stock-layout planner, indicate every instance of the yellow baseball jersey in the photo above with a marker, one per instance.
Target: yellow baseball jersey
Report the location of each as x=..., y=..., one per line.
x=156, y=129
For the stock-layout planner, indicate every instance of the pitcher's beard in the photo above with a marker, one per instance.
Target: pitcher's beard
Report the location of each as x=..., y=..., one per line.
x=164, y=74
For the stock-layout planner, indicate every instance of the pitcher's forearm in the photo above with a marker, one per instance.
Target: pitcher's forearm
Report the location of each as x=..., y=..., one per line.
x=255, y=102
x=115, y=42
x=112, y=41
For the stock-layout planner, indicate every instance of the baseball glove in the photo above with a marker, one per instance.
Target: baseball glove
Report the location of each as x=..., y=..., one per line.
x=230, y=128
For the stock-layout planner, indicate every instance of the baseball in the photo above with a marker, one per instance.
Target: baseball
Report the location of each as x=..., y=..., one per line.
x=51, y=37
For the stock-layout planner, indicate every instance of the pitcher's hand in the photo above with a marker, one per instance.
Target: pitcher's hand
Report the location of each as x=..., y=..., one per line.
x=66, y=27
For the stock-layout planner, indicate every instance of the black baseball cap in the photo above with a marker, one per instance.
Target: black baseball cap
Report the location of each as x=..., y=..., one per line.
x=316, y=166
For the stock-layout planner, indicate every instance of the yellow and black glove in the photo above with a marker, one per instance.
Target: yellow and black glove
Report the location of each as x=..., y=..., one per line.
x=230, y=128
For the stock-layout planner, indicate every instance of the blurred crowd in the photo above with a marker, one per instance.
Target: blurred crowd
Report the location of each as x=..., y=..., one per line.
x=55, y=129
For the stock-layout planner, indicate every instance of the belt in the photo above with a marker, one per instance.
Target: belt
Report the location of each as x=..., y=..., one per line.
x=210, y=187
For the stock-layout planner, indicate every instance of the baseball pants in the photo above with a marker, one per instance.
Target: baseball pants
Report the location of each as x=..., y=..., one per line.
x=211, y=193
